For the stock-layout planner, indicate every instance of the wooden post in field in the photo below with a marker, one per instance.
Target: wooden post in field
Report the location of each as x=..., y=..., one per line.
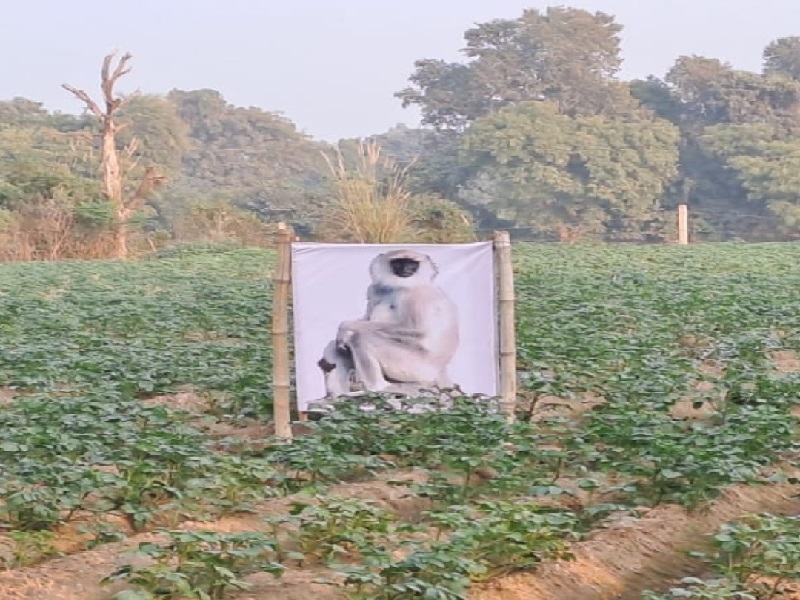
x=301, y=414
x=281, y=375
x=683, y=224
x=508, y=338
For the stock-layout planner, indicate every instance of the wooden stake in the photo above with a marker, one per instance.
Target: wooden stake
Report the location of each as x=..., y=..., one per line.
x=683, y=224
x=507, y=333
x=281, y=375
x=302, y=415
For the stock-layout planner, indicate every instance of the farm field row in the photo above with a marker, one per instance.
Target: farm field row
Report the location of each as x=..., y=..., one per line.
x=659, y=386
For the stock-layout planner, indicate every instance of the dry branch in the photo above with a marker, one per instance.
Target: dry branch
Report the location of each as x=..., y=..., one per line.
x=111, y=172
x=85, y=98
x=109, y=80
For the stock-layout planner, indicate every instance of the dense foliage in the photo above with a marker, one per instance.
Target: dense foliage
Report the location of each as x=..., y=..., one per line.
x=720, y=138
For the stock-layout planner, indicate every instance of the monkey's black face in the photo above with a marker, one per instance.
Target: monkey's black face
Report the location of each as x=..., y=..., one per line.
x=404, y=267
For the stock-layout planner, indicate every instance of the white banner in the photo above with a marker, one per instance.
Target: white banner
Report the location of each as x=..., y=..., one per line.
x=393, y=317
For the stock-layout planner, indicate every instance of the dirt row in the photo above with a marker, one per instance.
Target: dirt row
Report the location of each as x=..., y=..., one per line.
x=633, y=555
x=77, y=576
x=619, y=561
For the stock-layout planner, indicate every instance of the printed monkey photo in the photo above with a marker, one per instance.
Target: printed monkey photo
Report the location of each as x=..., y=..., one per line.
x=416, y=322
x=407, y=337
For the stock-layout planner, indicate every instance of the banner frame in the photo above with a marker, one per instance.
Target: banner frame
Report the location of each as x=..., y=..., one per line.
x=281, y=356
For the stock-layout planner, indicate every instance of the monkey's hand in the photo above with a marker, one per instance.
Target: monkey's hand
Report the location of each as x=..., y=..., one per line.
x=345, y=336
x=349, y=329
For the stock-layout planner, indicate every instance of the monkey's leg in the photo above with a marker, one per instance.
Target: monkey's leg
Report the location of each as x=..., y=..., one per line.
x=336, y=364
x=367, y=360
x=384, y=365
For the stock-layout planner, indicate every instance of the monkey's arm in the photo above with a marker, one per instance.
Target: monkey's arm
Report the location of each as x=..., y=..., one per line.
x=377, y=294
x=422, y=322
x=372, y=301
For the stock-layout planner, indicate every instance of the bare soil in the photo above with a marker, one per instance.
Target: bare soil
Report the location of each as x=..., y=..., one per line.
x=786, y=361
x=185, y=399
x=7, y=395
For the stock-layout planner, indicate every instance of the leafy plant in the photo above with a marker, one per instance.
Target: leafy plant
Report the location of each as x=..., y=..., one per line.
x=336, y=527
x=754, y=558
x=703, y=589
x=435, y=572
x=760, y=546
x=27, y=548
x=197, y=564
x=506, y=536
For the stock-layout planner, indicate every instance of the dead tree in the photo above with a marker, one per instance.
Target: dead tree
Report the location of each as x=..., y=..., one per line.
x=113, y=177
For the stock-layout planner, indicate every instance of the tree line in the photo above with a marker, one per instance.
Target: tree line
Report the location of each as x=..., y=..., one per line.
x=534, y=130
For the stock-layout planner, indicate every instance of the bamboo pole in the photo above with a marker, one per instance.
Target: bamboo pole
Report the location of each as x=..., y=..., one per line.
x=302, y=415
x=281, y=375
x=506, y=330
x=683, y=224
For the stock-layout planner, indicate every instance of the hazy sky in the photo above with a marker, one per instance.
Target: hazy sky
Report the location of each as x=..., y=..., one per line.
x=331, y=65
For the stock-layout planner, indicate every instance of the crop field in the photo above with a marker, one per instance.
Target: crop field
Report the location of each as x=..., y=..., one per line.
x=654, y=455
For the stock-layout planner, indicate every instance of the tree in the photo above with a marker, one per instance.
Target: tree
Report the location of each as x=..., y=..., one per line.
x=575, y=176
x=219, y=221
x=37, y=162
x=257, y=156
x=700, y=94
x=22, y=112
x=113, y=177
x=48, y=203
x=565, y=55
x=401, y=143
x=766, y=166
x=782, y=57
x=711, y=92
x=448, y=94
x=160, y=136
x=659, y=97
x=439, y=221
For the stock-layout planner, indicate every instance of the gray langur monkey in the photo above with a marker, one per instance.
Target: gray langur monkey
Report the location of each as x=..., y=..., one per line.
x=407, y=336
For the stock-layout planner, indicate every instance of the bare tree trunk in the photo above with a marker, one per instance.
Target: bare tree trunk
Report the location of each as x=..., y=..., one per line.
x=112, y=177
x=120, y=238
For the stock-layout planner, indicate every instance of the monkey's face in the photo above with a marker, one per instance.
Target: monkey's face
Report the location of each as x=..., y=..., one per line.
x=402, y=268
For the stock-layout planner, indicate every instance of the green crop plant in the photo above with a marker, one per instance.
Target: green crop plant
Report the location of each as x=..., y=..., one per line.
x=333, y=527
x=197, y=564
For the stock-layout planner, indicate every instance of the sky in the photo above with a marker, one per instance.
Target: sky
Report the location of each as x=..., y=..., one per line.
x=332, y=66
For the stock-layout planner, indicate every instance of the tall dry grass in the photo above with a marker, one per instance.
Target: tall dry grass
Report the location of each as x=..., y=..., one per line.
x=373, y=203
x=46, y=229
